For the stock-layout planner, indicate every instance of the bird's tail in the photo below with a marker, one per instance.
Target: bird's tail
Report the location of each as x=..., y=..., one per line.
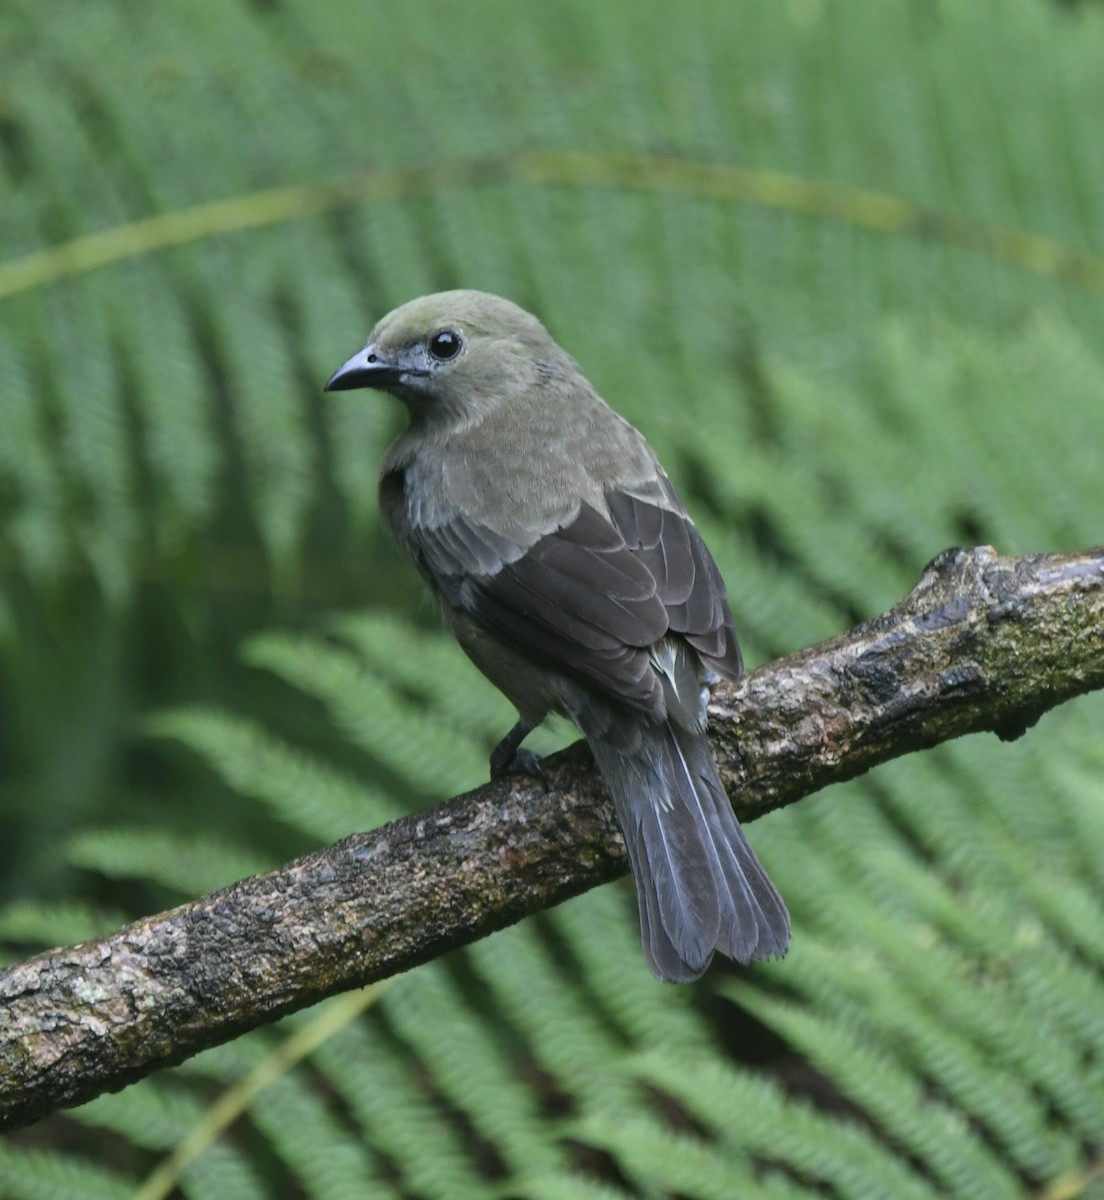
x=699, y=886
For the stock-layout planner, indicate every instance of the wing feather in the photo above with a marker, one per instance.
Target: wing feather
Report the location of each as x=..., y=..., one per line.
x=592, y=598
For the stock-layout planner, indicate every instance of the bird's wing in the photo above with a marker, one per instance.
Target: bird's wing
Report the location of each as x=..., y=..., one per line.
x=593, y=597
x=687, y=579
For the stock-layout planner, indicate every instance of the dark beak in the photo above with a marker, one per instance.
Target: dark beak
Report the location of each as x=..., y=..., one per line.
x=364, y=370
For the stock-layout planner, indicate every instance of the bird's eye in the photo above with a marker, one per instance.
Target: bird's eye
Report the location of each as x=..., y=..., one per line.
x=445, y=345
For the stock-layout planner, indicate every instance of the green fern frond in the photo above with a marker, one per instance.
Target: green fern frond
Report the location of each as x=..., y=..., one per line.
x=372, y=714
x=326, y=1158
x=601, y=931
x=398, y=1113
x=563, y=1185
x=894, y=1098
x=753, y=1117
x=27, y=1174
x=559, y=1026
x=660, y=1162
x=307, y=1135
x=158, y=1119
x=469, y=1064
x=190, y=866
x=298, y=788
x=430, y=666
x=160, y=366
x=31, y=475
x=425, y=664
x=41, y=923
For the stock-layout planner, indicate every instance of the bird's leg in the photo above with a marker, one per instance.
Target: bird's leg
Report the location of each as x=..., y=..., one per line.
x=508, y=758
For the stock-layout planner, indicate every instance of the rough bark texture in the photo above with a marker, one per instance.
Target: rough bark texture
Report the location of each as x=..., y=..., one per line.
x=982, y=643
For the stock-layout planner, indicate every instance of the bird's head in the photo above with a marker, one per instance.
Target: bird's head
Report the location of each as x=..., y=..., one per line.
x=452, y=357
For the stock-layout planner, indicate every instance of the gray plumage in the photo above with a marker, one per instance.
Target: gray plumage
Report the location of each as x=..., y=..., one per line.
x=573, y=577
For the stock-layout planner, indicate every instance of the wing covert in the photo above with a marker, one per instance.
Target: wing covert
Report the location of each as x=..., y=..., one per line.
x=591, y=598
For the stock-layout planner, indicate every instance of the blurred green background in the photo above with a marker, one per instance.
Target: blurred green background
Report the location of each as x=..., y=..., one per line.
x=771, y=233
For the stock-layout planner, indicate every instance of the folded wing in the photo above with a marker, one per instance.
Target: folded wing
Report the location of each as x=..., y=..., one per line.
x=592, y=598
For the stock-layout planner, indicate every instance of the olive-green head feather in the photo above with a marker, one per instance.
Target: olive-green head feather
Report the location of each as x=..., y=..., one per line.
x=454, y=356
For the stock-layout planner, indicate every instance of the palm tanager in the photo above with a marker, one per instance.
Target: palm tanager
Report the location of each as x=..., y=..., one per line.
x=572, y=576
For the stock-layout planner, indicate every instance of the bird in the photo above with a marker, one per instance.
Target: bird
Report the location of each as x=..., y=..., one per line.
x=573, y=577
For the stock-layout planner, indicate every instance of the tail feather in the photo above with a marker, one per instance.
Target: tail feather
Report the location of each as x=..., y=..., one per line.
x=699, y=886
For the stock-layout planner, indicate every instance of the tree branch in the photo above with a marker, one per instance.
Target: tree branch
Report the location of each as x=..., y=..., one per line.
x=981, y=643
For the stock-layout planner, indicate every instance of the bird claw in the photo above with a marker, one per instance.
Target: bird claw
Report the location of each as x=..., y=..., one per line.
x=519, y=762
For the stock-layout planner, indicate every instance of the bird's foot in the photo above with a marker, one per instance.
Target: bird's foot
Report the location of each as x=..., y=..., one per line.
x=509, y=758
x=521, y=762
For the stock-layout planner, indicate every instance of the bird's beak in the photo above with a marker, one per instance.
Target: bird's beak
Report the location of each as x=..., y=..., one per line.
x=366, y=369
